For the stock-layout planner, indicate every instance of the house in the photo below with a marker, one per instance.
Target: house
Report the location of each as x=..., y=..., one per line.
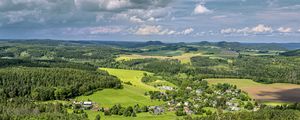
x=188, y=111
x=87, y=104
x=166, y=88
x=189, y=88
x=234, y=108
x=186, y=103
x=199, y=91
x=156, y=110
x=82, y=105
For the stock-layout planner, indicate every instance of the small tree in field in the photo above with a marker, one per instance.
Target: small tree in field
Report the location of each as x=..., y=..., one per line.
x=98, y=117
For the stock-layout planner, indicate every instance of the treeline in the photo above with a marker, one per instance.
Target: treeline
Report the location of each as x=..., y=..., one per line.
x=263, y=114
x=21, y=109
x=265, y=69
x=45, y=63
x=52, y=83
x=96, y=54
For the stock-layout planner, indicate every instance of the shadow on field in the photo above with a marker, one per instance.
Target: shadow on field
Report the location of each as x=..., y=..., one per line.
x=290, y=95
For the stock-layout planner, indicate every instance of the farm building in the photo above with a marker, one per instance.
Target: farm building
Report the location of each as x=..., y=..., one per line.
x=82, y=105
x=157, y=110
x=87, y=104
x=166, y=88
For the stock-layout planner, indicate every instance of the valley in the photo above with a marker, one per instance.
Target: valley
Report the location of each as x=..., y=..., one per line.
x=187, y=81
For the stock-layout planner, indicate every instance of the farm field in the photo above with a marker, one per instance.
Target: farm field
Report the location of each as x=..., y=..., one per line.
x=276, y=93
x=184, y=58
x=132, y=76
x=140, y=116
x=128, y=96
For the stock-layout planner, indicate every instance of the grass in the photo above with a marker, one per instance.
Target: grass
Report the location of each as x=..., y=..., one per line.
x=163, y=53
x=269, y=103
x=184, y=58
x=240, y=83
x=163, y=83
x=140, y=116
x=133, y=76
x=129, y=95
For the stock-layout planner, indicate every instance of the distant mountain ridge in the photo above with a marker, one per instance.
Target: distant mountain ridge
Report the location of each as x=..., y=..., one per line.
x=135, y=44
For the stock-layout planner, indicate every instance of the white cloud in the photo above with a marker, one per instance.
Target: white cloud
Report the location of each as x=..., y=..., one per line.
x=284, y=30
x=172, y=32
x=94, y=30
x=201, y=9
x=259, y=29
x=104, y=30
x=118, y=5
x=299, y=30
x=187, y=31
x=114, y=4
x=262, y=29
x=158, y=30
x=228, y=31
x=149, y=30
x=135, y=19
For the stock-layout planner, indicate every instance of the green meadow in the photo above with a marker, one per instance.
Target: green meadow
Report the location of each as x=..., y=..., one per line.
x=129, y=95
x=184, y=58
x=140, y=116
x=240, y=83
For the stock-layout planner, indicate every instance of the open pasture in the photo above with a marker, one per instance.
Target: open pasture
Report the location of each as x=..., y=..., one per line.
x=277, y=92
x=128, y=96
x=184, y=58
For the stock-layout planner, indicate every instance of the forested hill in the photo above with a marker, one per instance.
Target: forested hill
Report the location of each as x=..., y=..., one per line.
x=52, y=83
x=291, y=53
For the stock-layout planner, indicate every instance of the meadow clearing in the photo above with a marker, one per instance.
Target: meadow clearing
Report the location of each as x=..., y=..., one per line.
x=140, y=116
x=272, y=94
x=184, y=58
x=130, y=95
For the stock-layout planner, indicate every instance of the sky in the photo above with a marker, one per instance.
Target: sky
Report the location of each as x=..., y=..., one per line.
x=144, y=20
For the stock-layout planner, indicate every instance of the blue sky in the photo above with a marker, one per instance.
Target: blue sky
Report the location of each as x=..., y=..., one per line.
x=143, y=20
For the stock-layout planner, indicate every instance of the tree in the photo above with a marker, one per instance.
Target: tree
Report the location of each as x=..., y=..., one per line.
x=98, y=117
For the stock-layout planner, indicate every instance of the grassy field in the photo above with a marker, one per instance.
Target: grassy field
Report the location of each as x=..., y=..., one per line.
x=140, y=116
x=128, y=96
x=184, y=58
x=133, y=76
x=272, y=94
x=163, y=53
x=162, y=82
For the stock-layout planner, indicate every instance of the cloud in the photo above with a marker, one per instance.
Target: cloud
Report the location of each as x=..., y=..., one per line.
x=93, y=30
x=159, y=30
x=154, y=30
x=187, y=31
x=104, y=30
x=118, y=5
x=284, y=30
x=259, y=29
x=149, y=30
x=135, y=19
x=201, y=9
x=262, y=29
